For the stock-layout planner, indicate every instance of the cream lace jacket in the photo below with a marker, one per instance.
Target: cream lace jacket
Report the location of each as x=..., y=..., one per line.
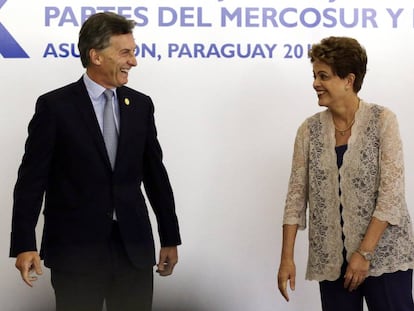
x=371, y=183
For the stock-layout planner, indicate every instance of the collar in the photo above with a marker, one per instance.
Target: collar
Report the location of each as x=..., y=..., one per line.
x=94, y=89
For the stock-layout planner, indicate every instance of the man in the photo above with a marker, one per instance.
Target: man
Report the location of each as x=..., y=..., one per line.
x=88, y=162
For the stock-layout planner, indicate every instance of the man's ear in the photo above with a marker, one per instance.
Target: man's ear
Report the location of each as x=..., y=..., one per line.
x=95, y=57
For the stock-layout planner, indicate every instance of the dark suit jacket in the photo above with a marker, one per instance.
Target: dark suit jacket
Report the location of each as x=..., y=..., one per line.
x=66, y=163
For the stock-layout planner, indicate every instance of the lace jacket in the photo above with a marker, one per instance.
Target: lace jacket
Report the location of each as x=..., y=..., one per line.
x=371, y=182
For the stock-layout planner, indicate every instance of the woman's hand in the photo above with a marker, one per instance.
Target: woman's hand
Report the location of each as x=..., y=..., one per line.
x=287, y=272
x=356, y=272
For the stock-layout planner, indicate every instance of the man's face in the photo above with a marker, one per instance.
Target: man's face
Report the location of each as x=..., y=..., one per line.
x=115, y=61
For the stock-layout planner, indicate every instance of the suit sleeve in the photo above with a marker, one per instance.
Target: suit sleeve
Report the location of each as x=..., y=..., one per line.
x=31, y=180
x=158, y=187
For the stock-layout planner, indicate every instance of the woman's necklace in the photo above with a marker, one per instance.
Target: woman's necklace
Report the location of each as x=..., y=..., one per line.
x=342, y=132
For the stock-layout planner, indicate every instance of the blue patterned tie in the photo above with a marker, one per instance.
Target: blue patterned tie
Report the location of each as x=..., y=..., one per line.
x=109, y=128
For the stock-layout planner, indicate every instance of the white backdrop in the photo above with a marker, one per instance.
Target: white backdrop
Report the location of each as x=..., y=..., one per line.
x=226, y=124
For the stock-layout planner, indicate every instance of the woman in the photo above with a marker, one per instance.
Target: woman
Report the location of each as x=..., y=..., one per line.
x=348, y=167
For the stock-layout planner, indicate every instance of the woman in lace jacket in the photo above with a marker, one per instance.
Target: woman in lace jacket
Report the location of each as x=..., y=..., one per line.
x=348, y=169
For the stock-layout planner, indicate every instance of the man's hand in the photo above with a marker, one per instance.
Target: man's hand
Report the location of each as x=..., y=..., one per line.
x=168, y=259
x=27, y=263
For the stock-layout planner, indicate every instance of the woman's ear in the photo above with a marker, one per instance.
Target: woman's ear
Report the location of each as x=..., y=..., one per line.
x=350, y=79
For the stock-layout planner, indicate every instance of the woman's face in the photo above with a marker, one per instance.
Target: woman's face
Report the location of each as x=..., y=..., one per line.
x=330, y=89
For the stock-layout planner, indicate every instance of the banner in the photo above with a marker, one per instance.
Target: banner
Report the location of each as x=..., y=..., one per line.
x=231, y=82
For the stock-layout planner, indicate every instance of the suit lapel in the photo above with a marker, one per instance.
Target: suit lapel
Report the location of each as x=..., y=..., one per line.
x=88, y=116
x=125, y=103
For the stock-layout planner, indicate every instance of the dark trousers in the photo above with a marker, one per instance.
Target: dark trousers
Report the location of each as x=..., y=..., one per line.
x=123, y=287
x=387, y=292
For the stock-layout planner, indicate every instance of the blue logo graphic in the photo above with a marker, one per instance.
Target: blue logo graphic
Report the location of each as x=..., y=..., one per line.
x=9, y=47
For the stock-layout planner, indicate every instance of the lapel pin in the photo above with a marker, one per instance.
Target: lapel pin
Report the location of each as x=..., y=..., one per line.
x=126, y=101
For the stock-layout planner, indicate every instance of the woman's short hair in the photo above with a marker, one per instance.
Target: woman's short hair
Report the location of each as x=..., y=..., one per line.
x=344, y=55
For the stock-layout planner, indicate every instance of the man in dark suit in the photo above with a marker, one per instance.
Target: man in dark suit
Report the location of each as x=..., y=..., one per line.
x=97, y=238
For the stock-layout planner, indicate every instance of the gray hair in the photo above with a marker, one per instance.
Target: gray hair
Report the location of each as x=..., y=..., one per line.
x=98, y=29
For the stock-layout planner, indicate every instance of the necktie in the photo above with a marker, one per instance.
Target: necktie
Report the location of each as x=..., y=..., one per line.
x=110, y=134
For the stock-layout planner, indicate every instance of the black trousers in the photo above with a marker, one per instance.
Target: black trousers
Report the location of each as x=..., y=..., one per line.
x=387, y=292
x=123, y=287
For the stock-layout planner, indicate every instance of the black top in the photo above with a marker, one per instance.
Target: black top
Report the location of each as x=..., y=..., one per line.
x=340, y=150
